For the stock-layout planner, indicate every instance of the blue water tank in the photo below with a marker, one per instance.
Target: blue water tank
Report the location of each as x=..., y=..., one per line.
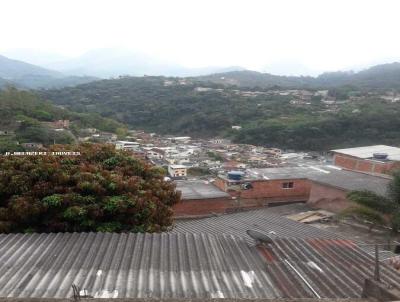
x=235, y=175
x=380, y=155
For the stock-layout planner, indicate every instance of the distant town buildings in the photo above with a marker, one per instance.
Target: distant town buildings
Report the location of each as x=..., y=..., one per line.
x=126, y=145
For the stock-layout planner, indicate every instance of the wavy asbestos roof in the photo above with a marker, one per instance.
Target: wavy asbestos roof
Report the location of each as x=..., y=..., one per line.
x=329, y=268
x=264, y=221
x=132, y=266
x=261, y=220
x=182, y=266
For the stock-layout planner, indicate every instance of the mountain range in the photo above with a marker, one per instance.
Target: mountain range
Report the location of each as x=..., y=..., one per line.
x=25, y=75
x=384, y=76
x=107, y=63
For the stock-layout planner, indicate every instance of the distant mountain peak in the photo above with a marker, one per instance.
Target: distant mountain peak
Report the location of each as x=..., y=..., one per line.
x=25, y=75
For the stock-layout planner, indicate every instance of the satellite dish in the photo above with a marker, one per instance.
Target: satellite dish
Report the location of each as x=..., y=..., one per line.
x=259, y=237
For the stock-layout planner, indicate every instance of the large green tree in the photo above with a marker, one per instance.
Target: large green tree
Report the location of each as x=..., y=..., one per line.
x=99, y=190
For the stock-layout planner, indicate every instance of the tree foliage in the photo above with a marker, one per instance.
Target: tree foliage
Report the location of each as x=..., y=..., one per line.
x=100, y=190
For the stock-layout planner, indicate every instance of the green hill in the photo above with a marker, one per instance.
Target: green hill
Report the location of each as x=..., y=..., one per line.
x=267, y=117
x=24, y=117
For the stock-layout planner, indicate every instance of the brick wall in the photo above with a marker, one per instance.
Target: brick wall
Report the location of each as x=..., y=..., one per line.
x=273, y=190
x=328, y=198
x=364, y=165
x=270, y=189
x=263, y=193
x=221, y=184
x=266, y=192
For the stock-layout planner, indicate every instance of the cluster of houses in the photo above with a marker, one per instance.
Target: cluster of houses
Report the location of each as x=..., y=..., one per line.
x=179, y=154
x=322, y=185
x=242, y=177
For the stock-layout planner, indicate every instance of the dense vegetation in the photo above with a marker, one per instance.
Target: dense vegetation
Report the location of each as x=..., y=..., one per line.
x=269, y=120
x=375, y=122
x=26, y=115
x=100, y=190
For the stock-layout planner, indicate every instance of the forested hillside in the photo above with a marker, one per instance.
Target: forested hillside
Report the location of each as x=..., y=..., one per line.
x=386, y=76
x=267, y=117
x=24, y=118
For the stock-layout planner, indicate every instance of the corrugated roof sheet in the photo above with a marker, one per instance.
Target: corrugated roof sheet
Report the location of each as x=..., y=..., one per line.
x=332, y=268
x=181, y=266
x=132, y=266
x=261, y=220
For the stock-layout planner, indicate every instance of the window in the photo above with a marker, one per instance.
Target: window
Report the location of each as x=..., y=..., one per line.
x=288, y=185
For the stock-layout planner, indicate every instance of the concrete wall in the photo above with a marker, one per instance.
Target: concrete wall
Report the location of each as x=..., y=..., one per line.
x=364, y=165
x=328, y=198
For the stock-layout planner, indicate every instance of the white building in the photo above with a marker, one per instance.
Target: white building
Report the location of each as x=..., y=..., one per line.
x=155, y=154
x=177, y=170
x=126, y=145
x=180, y=139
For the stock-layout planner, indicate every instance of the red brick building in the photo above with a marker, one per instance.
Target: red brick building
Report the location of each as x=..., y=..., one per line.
x=323, y=187
x=372, y=159
x=200, y=198
x=263, y=192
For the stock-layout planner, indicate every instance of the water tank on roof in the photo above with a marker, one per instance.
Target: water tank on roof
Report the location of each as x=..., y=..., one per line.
x=235, y=175
x=380, y=155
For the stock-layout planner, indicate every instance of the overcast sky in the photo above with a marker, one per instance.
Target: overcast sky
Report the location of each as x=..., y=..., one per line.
x=320, y=34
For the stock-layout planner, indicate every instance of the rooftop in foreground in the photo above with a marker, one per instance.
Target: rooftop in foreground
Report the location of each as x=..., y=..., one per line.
x=270, y=221
x=182, y=266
